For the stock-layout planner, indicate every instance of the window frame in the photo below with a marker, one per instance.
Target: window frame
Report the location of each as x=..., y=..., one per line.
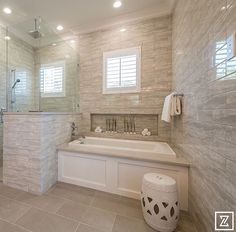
x=117, y=53
x=59, y=94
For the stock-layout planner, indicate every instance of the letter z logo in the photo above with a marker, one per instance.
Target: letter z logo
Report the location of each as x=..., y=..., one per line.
x=224, y=221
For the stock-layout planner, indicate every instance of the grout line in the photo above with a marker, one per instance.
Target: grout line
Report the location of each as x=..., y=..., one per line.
x=14, y=224
x=92, y=226
x=77, y=227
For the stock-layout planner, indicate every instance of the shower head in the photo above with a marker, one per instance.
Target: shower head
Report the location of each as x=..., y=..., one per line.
x=15, y=83
x=36, y=34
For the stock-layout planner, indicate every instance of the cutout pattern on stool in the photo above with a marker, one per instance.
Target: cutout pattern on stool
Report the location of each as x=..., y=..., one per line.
x=163, y=210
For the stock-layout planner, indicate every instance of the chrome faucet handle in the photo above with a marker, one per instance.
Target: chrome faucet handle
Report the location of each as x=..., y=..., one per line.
x=73, y=126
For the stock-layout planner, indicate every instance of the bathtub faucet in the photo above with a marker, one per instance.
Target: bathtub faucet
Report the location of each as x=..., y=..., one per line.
x=73, y=131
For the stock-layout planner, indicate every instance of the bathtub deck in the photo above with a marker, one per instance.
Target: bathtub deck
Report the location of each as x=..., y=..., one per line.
x=74, y=209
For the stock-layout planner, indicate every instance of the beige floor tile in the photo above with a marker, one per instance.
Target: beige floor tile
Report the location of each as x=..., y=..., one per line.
x=44, y=202
x=10, y=210
x=87, y=228
x=76, y=188
x=122, y=206
x=79, y=195
x=125, y=224
x=41, y=221
x=7, y=227
x=9, y=192
x=185, y=223
x=73, y=210
x=99, y=219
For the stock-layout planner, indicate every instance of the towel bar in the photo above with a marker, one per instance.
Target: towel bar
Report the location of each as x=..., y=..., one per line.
x=179, y=95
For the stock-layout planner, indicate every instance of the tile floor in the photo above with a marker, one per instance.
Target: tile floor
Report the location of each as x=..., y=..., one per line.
x=68, y=208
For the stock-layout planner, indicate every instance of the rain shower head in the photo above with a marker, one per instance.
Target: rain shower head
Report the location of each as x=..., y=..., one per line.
x=36, y=34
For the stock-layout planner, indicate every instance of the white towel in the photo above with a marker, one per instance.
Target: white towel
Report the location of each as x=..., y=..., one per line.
x=172, y=107
x=166, y=113
x=175, y=106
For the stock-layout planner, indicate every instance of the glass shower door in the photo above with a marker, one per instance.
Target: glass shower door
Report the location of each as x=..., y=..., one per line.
x=3, y=90
x=21, y=78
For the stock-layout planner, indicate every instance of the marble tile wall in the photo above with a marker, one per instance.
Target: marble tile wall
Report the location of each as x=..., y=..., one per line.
x=29, y=149
x=155, y=38
x=206, y=133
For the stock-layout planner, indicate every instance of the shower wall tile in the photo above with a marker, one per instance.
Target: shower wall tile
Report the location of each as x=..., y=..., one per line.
x=154, y=36
x=21, y=59
x=52, y=54
x=206, y=133
x=29, y=149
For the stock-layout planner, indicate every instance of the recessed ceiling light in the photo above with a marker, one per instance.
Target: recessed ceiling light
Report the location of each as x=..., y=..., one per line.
x=117, y=4
x=7, y=37
x=60, y=27
x=123, y=29
x=54, y=44
x=7, y=10
x=72, y=41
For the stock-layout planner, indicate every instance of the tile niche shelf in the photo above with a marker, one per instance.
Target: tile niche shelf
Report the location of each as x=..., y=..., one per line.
x=138, y=121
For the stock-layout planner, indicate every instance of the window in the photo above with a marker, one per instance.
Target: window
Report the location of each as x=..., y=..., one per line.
x=121, y=71
x=225, y=68
x=52, y=79
x=23, y=87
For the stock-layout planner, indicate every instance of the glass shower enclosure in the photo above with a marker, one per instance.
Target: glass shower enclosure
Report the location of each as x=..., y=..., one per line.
x=38, y=71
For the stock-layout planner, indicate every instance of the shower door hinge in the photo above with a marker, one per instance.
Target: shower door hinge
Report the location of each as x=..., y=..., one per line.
x=1, y=114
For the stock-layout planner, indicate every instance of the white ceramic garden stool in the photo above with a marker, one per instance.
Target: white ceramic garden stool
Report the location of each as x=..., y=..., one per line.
x=159, y=201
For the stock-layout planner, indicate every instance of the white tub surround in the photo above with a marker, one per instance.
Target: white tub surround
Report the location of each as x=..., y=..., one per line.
x=29, y=148
x=118, y=166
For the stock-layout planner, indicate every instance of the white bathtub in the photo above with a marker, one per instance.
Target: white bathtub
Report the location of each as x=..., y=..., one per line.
x=124, y=148
x=117, y=166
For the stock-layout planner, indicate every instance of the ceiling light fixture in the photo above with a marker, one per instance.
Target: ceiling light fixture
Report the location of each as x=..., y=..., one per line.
x=123, y=29
x=54, y=44
x=60, y=27
x=7, y=10
x=72, y=41
x=117, y=4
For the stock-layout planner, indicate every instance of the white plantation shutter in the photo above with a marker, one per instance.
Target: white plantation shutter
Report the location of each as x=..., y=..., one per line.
x=122, y=71
x=52, y=79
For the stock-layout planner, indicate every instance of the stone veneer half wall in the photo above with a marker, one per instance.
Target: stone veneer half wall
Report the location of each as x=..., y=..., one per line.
x=154, y=36
x=29, y=148
x=206, y=133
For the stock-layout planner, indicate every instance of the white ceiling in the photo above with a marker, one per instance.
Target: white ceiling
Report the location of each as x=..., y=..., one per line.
x=79, y=16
